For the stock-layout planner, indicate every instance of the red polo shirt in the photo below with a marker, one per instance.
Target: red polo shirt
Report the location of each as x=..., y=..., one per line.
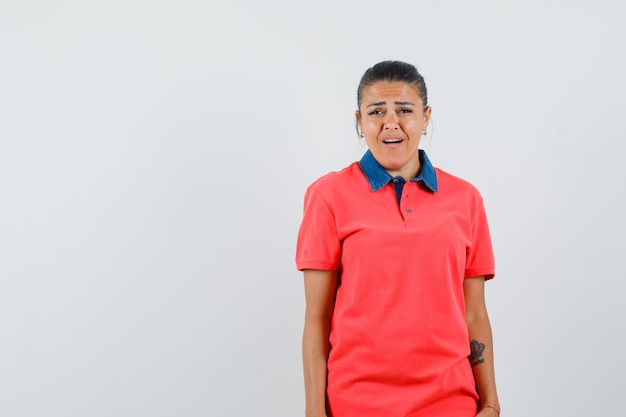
x=399, y=340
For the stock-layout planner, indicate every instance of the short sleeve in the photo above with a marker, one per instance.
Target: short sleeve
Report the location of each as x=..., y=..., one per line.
x=318, y=246
x=479, y=256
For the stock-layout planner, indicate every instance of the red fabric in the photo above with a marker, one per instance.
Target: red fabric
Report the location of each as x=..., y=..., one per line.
x=399, y=341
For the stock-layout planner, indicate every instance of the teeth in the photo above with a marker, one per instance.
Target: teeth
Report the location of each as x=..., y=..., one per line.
x=393, y=140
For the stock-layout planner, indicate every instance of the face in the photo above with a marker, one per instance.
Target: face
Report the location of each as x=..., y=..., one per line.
x=392, y=119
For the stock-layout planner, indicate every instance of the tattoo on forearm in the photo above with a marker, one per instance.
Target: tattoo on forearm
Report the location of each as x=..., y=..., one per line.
x=476, y=355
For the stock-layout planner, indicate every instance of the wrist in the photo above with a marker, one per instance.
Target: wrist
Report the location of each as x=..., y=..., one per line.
x=495, y=409
x=316, y=409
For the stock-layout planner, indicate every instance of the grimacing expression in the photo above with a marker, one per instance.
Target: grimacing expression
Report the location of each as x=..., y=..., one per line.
x=392, y=118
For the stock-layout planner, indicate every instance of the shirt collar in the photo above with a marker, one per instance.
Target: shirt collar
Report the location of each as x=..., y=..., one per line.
x=377, y=177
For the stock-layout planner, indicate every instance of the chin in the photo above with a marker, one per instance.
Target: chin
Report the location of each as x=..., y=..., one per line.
x=393, y=164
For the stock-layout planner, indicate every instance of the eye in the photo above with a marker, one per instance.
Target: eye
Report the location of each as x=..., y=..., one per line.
x=406, y=110
x=375, y=112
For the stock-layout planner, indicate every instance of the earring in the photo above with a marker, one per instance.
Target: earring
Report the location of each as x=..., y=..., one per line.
x=361, y=135
x=424, y=132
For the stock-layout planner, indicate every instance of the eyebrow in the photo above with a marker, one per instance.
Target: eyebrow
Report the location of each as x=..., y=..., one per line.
x=397, y=103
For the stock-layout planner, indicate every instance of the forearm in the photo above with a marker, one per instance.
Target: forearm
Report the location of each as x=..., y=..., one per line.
x=315, y=347
x=481, y=359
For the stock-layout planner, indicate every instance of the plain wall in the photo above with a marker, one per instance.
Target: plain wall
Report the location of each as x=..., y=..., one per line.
x=154, y=156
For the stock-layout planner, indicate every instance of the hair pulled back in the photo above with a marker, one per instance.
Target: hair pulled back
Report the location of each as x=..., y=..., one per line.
x=393, y=71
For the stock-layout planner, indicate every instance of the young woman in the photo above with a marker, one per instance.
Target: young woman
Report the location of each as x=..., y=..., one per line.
x=395, y=254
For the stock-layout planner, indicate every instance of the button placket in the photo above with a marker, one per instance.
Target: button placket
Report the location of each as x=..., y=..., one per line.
x=409, y=209
x=408, y=201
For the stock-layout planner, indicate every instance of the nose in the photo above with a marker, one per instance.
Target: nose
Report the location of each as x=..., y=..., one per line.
x=391, y=120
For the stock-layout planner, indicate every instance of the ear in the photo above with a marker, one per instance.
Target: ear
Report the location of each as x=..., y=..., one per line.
x=427, y=112
x=357, y=115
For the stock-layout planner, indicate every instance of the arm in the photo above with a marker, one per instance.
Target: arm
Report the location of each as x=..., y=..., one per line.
x=481, y=344
x=319, y=288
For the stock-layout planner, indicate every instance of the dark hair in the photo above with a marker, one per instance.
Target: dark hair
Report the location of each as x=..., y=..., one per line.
x=393, y=71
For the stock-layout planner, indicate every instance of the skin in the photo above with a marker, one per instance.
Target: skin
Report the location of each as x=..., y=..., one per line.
x=388, y=111
x=393, y=111
x=319, y=288
x=479, y=329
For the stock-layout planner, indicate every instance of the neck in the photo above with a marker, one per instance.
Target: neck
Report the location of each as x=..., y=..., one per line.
x=407, y=172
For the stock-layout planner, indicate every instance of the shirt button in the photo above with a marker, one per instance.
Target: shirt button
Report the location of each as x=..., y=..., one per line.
x=409, y=210
x=395, y=180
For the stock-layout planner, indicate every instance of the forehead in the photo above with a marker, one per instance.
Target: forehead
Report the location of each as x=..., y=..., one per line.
x=395, y=91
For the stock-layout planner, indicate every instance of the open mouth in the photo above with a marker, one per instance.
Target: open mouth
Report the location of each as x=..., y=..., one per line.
x=393, y=141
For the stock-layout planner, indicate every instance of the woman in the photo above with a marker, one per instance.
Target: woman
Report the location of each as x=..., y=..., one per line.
x=395, y=254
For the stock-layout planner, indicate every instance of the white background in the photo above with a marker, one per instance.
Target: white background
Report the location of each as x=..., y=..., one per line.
x=154, y=156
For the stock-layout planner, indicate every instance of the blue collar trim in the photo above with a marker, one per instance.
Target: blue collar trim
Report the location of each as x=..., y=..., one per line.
x=377, y=177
